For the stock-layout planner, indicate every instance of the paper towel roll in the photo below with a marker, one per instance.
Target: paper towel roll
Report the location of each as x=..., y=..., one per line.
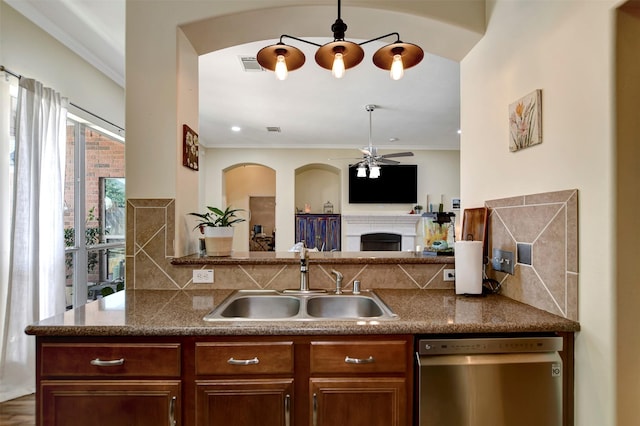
x=468, y=262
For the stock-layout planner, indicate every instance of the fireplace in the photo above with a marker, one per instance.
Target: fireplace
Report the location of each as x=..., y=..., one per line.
x=380, y=241
x=356, y=225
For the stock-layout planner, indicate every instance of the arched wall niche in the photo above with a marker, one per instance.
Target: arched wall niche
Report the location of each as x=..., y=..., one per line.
x=316, y=184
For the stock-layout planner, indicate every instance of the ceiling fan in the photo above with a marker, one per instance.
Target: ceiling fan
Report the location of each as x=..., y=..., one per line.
x=370, y=153
x=371, y=158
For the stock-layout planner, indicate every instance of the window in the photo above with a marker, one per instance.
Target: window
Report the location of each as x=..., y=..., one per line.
x=95, y=208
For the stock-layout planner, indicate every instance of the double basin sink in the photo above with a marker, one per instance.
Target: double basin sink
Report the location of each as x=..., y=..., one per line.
x=272, y=305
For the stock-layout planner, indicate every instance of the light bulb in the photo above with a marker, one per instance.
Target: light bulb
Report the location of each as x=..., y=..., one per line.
x=281, y=68
x=338, y=66
x=397, y=68
x=362, y=171
x=374, y=172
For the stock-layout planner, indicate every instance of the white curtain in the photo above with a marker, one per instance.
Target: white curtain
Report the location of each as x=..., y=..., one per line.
x=36, y=267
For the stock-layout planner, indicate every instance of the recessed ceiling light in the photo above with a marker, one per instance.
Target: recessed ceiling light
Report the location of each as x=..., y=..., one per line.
x=393, y=139
x=236, y=128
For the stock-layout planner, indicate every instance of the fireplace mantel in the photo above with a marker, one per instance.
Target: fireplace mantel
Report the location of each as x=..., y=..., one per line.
x=356, y=225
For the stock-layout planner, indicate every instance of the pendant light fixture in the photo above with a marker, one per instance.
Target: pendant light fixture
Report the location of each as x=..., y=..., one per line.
x=340, y=54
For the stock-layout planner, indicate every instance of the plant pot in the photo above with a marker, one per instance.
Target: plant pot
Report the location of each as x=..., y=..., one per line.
x=218, y=241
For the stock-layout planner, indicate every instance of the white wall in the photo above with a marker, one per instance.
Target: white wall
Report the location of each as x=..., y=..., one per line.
x=27, y=50
x=565, y=49
x=438, y=173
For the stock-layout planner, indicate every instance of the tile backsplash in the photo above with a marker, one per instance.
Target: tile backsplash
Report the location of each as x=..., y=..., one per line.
x=542, y=230
x=150, y=233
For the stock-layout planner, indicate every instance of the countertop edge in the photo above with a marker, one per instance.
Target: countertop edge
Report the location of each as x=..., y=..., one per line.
x=247, y=329
x=286, y=258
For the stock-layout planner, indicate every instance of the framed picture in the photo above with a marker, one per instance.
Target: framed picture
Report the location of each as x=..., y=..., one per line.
x=189, y=148
x=525, y=121
x=455, y=204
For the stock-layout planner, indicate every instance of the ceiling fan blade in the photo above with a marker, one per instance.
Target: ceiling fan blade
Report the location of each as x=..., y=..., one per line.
x=386, y=161
x=397, y=154
x=366, y=152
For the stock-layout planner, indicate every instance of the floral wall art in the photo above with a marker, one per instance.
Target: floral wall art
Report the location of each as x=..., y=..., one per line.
x=525, y=121
x=189, y=148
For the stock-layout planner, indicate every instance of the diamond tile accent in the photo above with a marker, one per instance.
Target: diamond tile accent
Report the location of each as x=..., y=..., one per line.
x=548, y=221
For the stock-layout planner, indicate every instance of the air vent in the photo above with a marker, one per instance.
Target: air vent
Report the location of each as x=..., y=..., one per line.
x=273, y=129
x=250, y=64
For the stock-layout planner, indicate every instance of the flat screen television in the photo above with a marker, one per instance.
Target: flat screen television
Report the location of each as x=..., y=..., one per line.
x=397, y=184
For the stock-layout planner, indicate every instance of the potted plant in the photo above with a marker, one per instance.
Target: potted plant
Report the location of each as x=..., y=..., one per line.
x=417, y=209
x=217, y=227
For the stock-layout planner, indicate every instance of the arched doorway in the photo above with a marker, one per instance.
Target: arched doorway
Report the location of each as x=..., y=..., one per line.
x=252, y=187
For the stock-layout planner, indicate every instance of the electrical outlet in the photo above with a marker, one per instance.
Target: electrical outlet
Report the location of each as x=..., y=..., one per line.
x=503, y=261
x=203, y=276
x=449, y=275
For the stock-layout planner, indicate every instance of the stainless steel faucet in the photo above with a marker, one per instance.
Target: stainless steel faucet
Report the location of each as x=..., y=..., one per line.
x=304, y=276
x=338, y=281
x=304, y=270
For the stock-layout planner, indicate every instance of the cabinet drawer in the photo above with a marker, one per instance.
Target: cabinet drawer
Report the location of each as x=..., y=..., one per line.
x=359, y=357
x=110, y=359
x=244, y=358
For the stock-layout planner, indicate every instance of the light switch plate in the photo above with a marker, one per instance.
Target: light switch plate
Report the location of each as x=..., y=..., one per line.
x=203, y=276
x=503, y=261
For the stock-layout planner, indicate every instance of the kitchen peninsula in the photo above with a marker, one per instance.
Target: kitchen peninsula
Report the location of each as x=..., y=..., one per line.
x=151, y=351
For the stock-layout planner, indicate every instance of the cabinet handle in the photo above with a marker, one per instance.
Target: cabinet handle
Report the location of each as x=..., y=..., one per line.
x=172, y=412
x=251, y=361
x=287, y=410
x=350, y=360
x=110, y=363
x=315, y=410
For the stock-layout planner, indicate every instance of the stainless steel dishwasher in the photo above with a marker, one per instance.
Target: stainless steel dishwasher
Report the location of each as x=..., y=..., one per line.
x=490, y=381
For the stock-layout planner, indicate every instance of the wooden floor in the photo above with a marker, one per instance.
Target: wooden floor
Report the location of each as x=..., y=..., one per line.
x=18, y=412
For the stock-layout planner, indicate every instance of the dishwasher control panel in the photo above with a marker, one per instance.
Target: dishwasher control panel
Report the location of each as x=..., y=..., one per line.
x=489, y=345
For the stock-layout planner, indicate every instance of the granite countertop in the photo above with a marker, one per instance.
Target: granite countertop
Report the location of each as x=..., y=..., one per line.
x=323, y=257
x=180, y=313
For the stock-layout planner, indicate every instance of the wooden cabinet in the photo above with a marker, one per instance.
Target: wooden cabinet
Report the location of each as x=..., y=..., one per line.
x=105, y=384
x=244, y=402
x=243, y=383
x=225, y=380
x=322, y=231
x=109, y=402
x=360, y=383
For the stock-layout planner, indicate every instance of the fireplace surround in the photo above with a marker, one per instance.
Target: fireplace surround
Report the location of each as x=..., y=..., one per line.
x=356, y=225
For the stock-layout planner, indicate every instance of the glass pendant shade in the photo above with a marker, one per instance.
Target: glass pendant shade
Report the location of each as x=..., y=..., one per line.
x=362, y=171
x=397, y=68
x=338, y=66
x=374, y=172
x=281, y=68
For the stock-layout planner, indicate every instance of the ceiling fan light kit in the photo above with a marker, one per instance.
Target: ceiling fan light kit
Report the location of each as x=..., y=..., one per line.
x=371, y=159
x=340, y=55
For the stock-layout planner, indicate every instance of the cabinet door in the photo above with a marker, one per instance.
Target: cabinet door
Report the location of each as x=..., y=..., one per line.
x=320, y=231
x=263, y=402
x=109, y=403
x=358, y=402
